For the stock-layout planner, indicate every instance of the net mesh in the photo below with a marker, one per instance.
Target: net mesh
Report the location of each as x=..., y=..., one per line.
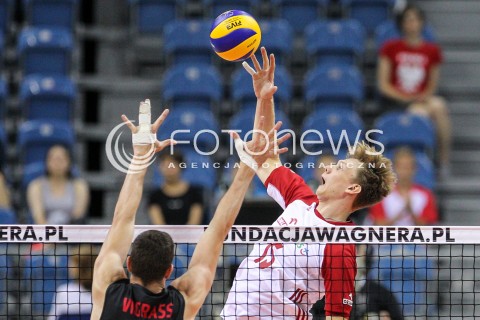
x=414, y=279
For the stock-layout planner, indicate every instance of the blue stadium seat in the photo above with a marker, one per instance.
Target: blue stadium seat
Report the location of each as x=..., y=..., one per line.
x=7, y=216
x=44, y=273
x=193, y=121
x=35, y=137
x=45, y=51
x=425, y=175
x=51, y=13
x=3, y=98
x=339, y=131
x=47, y=97
x=406, y=277
x=370, y=13
x=151, y=16
x=299, y=13
x=220, y=6
x=31, y=172
x=335, y=85
x=6, y=14
x=335, y=41
x=188, y=41
x=198, y=171
x=242, y=88
x=405, y=129
x=192, y=86
x=277, y=38
x=388, y=31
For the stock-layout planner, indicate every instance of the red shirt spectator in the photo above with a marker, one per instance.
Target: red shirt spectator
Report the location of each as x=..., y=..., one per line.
x=409, y=204
x=418, y=208
x=411, y=65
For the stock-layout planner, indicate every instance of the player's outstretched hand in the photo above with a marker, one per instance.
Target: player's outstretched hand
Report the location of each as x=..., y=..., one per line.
x=144, y=136
x=263, y=77
x=263, y=146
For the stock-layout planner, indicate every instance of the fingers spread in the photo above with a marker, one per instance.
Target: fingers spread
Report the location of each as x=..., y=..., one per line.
x=271, y=71
x=266, y=63
x=129, y=124
x=160, y=120
x=275, y=128
x=255, y=63
x=284, y=138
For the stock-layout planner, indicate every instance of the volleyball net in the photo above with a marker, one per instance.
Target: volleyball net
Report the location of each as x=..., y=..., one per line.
x=409, y=272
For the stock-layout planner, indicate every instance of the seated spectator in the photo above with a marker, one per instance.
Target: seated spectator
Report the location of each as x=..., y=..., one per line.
x=75, y=297
x=176, y=202
x=408, y=204
x=58, y=197
x=408, y=75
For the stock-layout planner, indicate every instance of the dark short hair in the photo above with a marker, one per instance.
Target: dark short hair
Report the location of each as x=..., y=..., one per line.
x=176, y=156
x=401, y=16
x=151, y=255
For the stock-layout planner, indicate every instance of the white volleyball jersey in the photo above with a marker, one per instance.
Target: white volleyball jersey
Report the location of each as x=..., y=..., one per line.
x=283, y=281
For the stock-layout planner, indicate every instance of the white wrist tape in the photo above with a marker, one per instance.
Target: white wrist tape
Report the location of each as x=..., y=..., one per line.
x=244, y=156
x=144, y=135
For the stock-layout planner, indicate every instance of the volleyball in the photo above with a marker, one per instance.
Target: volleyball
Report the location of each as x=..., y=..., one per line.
x=235, y=35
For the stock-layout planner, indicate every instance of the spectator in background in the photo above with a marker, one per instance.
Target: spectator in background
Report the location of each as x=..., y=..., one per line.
x=58, y=197
x=176, y=202
x=408, y=204
x=75, y=297
x=408, y=75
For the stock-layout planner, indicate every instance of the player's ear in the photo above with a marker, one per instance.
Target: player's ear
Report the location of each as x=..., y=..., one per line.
x=129, y=264
x=354, y=189
x=168, y=272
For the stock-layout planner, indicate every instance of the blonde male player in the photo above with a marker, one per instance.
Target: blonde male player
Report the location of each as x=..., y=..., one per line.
x=145, y=295
x=281, y=280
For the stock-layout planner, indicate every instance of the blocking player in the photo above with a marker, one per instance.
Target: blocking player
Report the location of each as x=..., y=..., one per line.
x=283, y=281
x=145, y=295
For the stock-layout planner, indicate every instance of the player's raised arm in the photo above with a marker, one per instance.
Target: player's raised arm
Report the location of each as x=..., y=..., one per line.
x=197, y=281
x=263, y=85
x=109, y=264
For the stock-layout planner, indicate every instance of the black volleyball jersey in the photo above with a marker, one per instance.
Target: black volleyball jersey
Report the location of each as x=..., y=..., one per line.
x=126, y=301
